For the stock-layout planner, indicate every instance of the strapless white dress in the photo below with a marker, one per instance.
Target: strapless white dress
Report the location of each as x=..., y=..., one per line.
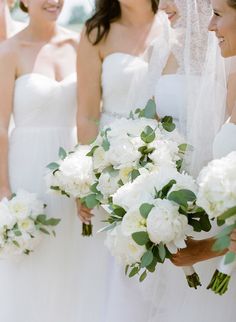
x=175, y=301
x=56, y=282
x=225, y=141
x=127, y=299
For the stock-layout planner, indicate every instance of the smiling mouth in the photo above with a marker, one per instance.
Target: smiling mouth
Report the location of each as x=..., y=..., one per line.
x=52, y=9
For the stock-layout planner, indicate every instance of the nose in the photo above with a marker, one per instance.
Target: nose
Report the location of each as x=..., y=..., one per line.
x=212, y=25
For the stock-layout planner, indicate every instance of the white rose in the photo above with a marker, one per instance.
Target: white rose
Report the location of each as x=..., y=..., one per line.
x=165, y=153
x=123, y=248
x=165, y=225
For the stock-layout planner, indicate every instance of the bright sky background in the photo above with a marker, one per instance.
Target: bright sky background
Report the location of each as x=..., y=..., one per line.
x=88, y=4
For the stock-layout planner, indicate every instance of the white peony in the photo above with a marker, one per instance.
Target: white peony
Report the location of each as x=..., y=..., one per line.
x=217, y=186
x=100, y=161
x=7, y=219
x=108, y=184
x=133, y=222
x=165, y=153
x=165, y=225
x=123, y=248
x=77, y=173
x=123, y=153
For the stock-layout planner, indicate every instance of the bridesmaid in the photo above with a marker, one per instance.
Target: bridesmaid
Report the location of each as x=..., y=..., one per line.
x=38, y=86
x=8, y=26
x=111, y=53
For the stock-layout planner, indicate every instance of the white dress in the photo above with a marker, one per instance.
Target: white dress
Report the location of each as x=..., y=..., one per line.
x=127, y=299
x=55, y=283
x=175, y=301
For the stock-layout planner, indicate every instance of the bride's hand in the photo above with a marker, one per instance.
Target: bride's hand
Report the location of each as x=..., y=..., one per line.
x=5, y=193
x=84, y=213
x=232, y=247
x=196, y=251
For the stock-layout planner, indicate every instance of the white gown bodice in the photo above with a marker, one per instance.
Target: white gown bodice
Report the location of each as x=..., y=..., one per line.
x=43, y=102
x=119, y=74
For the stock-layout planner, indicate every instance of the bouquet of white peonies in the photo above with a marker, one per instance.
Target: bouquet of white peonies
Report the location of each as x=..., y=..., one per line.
x=217, y=195
x=128, y=147
x=22, y=224
x=151, y=218
x=72, y=176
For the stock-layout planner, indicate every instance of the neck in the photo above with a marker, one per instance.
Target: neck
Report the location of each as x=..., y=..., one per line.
x=39, y=31
x=137, y=15
x=6, y=22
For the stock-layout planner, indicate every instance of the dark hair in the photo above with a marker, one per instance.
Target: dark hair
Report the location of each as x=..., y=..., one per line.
x=106, y=12
x=232, y=3
x=23, y=7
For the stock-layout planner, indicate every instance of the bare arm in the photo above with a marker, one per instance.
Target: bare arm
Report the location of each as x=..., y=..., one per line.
x=7, y=80
x=3, y=27
x=196, y=251
x=89, y=68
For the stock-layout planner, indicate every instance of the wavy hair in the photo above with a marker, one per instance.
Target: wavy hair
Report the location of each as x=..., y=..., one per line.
x=106, y=12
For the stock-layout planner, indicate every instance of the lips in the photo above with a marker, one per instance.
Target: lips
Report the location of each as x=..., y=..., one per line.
x=52, y=9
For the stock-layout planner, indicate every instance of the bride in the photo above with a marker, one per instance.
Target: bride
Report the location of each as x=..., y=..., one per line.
x=177, y=94
x=38, y=86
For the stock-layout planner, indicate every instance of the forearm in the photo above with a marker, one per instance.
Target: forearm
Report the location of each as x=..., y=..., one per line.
x=87, y=130
x=4, y=177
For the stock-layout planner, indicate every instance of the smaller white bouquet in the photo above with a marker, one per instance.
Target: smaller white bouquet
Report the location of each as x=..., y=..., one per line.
x=151, y=218
x=72, y=176
x=23, y=222
x=217, y=196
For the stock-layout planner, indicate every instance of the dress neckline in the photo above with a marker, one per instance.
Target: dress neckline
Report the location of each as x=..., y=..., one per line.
x=45, y=77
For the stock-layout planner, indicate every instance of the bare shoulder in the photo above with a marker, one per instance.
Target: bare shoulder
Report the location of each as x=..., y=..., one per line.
x=8, y=51
x=69, y=36
x=87, y=43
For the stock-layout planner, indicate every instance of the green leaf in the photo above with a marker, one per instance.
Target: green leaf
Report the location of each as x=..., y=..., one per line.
x=53, y=221
x=205, y=223
x=195, y=224
x=62, y=153
x=165, y=190
x=141, y=238
x=126, y=269
x=162, y=251
x=226, y=231
x=228, y=214
x=168, y=124
x=53, y=166
x=146, y=259
x=106, y=144
x=43, y=230
x=143, y=276
x=134, y=271
x=134, y=174
x=16, y=243
x=91, y=201
x=149, y=111
x=151, y=268
x=230, y=257
x=145, y=209
x=148, y=135
x=221, y=243
x=91, y=152
x=182, y=197
x=93, y=188
x=119, y=211
x=41, y=219
x=183, y=148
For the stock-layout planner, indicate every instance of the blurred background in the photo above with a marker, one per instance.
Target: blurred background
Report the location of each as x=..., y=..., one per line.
x=73, y=16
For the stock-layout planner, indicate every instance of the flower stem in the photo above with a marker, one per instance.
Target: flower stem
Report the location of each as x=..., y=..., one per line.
x=87, y=230
x=193, y=280
x=219, y=283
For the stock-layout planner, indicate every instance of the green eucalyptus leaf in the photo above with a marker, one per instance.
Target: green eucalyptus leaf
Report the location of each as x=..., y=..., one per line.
x=134, y=271
x=53, y=166
x=149, y=111
x=146, y=259
x=221, y=243
x=141, y=238
x=182, y=197
x=91, y=201
x=143, y=276
x=162, y=251
x=145, y=209
x=230, y=257
x=62, y=153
